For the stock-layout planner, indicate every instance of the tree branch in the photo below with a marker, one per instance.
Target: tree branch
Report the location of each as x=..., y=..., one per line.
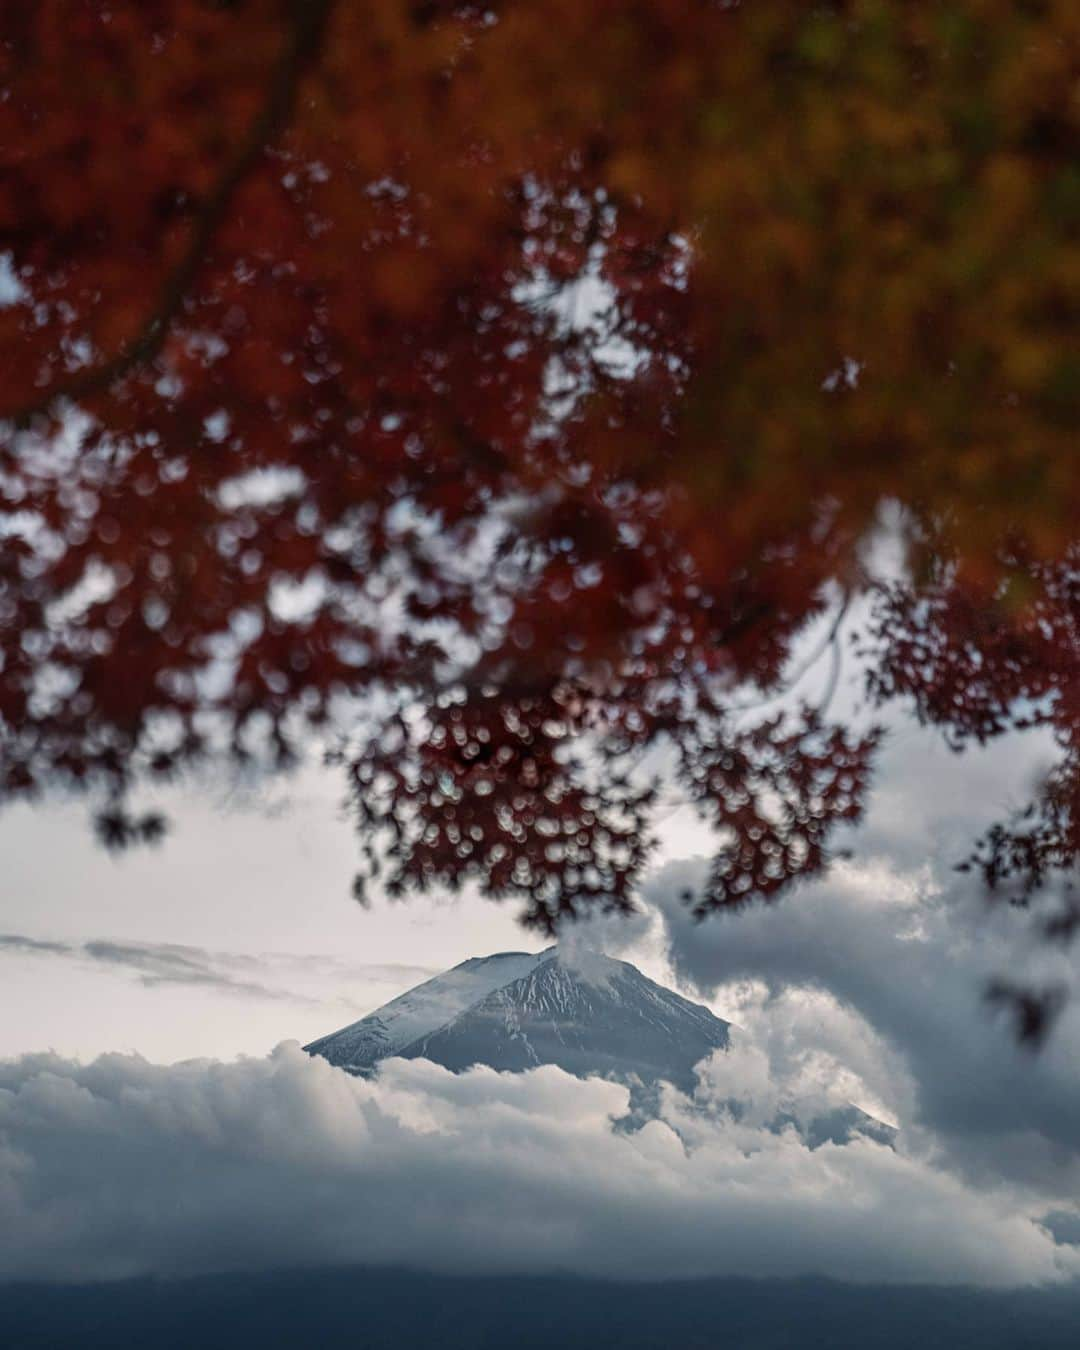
x=309, y=21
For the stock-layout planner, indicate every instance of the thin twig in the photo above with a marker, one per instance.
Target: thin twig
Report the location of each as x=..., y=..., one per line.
x=811, y=661
x=834, y=674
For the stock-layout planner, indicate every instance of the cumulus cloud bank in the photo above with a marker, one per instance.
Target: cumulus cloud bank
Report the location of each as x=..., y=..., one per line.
x=883, y=967
x=122, y=1167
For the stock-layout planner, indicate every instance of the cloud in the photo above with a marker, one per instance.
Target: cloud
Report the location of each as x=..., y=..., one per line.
x=17, y=943
x=269, y=976
x=122, y=1167
x=883, y=967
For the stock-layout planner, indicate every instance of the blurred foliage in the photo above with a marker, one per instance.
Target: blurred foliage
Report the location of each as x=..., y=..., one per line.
x=500, y=391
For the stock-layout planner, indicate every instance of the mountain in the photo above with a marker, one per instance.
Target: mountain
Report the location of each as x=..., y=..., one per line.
x=589, y=1015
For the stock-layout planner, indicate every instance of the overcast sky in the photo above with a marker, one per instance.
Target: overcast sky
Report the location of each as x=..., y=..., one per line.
x=261, y=882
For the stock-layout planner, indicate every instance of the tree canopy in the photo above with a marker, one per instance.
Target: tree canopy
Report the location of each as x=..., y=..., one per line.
x=500, y=392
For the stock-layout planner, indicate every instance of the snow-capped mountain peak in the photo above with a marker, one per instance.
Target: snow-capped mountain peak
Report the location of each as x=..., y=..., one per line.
x=585, y=1012
x=393, y=1028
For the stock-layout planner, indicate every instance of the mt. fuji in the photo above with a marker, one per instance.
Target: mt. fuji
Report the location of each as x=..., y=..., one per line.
x=588, y=1014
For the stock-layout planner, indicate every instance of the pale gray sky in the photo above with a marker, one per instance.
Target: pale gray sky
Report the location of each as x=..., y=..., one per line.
x=268, y=882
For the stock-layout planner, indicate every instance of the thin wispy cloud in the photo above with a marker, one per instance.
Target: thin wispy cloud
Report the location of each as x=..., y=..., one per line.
x=264, y=976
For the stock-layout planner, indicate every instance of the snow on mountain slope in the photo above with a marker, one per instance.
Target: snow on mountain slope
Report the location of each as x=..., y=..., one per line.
x=602, y=1018
x=389, y=1030
x=514, y=1011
